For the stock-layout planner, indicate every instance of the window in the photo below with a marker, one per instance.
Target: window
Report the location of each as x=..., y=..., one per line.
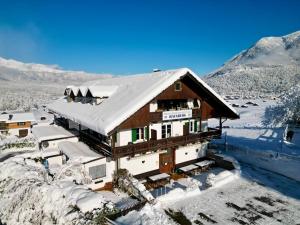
x=21, y=123
x=139, y=134
x=196, y=103
x=166, y=131
x=172, y=104
x=178, y=86
x=193, y=126
x=97, y=171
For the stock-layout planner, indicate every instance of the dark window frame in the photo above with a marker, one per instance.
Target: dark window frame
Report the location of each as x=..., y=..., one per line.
x=178, y=86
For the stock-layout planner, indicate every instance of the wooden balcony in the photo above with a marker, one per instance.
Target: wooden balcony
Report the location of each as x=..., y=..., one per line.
x=95, y=143
x=157, y=116
x=153, y=145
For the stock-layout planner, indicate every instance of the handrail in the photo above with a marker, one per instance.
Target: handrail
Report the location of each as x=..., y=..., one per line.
x=151, y=145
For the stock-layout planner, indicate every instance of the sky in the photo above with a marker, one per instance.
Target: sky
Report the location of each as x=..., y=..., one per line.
x=127, y=37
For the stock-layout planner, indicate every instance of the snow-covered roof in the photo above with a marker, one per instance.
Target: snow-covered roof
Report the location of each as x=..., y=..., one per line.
x=75, y=90
x=50, y=152
x=78, y=151
x=47, y=133
x=83, y=90
x=68, y=89
x=102, y=91
x=133, y=92
x=42, y=117
x=17, y=117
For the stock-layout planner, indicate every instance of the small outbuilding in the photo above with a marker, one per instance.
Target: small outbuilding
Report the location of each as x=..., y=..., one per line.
x=50, y=136
x=95, y=165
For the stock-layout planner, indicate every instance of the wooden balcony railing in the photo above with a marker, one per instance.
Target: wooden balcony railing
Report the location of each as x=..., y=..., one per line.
x=152, y=145
x=157, y=116
x=95, y=143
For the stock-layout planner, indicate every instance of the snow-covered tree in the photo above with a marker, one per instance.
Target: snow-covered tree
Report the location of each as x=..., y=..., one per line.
x=288, y=109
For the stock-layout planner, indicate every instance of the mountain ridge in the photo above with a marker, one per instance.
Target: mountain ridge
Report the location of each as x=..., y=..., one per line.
x=13, y=70
x=270, y=66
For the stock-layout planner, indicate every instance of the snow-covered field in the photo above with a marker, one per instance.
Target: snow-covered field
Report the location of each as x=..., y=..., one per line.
x=30, y=195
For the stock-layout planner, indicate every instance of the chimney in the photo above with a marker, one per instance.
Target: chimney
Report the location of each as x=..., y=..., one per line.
x=10, y=116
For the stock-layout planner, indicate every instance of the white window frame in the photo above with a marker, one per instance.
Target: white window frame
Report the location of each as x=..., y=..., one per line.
x=166, y=130
x=139, y=133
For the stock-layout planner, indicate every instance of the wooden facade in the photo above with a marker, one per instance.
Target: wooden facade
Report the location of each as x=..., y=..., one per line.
x=143, y=117
x=14, y=125
x=165, y=143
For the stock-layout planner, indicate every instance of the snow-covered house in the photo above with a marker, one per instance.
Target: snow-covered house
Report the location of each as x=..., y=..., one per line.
x=48, y=138
x=149, y=123
x=95, y=165
x=18, y=124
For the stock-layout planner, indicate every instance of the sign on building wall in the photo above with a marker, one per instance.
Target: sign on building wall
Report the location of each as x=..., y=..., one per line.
x=177, y=115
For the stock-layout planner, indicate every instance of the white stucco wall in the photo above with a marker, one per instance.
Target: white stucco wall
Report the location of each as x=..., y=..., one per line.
x=15, y=132
x=153, y=106
x=55, y=160
x=110, y=168
x=157, y=127
x=177, y=128
x=187, y=153
x=123, y=137
x=140, y=164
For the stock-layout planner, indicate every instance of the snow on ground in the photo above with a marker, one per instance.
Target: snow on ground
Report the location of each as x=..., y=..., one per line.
x=250, y=141
x=29, y=195
x=257, y=197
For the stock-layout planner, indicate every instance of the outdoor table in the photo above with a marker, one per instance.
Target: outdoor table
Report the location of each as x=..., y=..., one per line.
x=205, y=164
x=188, y=168
x=160, y=176
x=159, y=179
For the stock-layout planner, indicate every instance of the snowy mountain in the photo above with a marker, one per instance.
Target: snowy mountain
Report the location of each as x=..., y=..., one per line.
x=270, y=66
x=12, y=70
x=27, y=85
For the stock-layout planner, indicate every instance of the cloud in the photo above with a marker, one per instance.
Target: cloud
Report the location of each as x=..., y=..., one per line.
x=21, y=43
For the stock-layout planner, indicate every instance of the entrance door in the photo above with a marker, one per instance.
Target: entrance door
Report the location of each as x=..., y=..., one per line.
x=153, y=134
x=166, y=161
x=186, y=129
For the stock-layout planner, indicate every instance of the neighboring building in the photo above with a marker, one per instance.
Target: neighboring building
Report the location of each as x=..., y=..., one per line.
x=48, y=138
x=18, y=124
x=94, y=164
x=148, y=124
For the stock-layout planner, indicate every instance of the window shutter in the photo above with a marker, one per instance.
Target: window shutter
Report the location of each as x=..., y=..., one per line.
x=133, y=135
x=146, y=133
x=195, y=126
